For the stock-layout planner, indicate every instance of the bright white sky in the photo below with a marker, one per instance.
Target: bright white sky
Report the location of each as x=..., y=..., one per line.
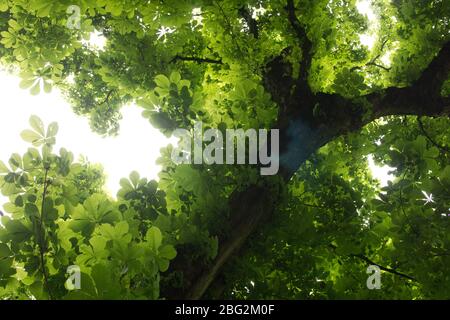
x=136, y=148
x=365, y=8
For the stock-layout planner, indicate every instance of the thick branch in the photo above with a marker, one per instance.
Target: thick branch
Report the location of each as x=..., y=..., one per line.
x=307, y=131
x=423, y=97
x=255, y=200
x=248, y=209
x=436, y=73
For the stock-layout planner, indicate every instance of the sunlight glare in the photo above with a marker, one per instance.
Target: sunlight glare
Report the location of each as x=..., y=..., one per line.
x=135, y=148
x=365, y=8
x=380, y=173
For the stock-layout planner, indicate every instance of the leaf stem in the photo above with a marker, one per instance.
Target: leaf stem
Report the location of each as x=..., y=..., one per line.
x=433, y=142
x=41, y=242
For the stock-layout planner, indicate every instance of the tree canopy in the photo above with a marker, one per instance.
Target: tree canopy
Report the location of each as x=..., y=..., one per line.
x=224, y=231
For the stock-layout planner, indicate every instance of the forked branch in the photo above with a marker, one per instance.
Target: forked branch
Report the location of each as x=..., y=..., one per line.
x=306, y=44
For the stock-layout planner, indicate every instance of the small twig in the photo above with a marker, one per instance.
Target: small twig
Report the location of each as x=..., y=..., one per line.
x=371, y=262
x=195, y=59
x=367, y=260
x=313, y=206
x=441, y=254
x=433, y=142
x=373, y=62
x=378, y=65
x=107, y=97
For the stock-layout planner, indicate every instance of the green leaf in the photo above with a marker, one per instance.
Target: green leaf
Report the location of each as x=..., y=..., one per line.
x=108, y=287
x=5, y=252
x=47, y=87
x=126, y=185
x=184, y=83
x=87, y=291
x=3, y=6
x=14, y=25
x=37, y=124
x=444, y=176
x=134, y=177
x=52, y=130
x=175, y=77
x=19, y=201
x=5, y=268
x=31, y=210
x=31, y=137
x=154, y=238
x=153, y=99
x=420, y=144
x=163, y=264
x=16, y=230
x=15, y=161
x=26, y=83
x=3, y=167
x=168, y=252
x=162, y=81
x=36, y=89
